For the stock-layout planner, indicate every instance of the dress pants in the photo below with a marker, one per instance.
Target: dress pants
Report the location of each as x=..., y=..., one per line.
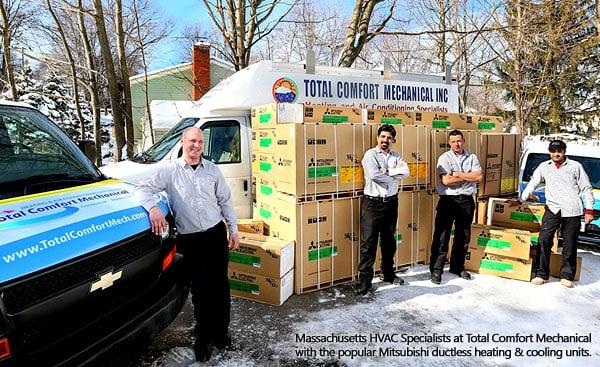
x=569, y=229
x=457, y=210
x=377, y=221
x=205, y=258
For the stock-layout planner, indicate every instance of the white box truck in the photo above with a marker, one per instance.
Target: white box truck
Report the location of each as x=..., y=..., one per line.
x=224, y=113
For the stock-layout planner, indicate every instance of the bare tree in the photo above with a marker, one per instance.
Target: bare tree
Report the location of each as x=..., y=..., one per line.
x=6, y=50
x=71, y=61
x=358, y=32
x=124, y=76
x=93, y=84
x=143, y=55
x=111, y=76
x=240, y=31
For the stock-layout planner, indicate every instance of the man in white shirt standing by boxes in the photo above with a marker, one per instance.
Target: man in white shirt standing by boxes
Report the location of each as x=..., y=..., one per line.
x=566, y=183
x=379, y=210
x=200, y=199
x=459, y=171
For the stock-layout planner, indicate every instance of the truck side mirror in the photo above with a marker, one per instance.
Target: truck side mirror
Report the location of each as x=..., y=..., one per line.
x=88, y=147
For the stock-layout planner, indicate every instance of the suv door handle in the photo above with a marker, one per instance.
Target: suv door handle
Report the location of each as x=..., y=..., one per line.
x=245, y=185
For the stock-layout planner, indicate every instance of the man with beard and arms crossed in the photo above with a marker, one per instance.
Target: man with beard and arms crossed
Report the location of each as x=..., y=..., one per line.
x=200, y=200
x=379, y=211
x=566, y=182
x=459, y=171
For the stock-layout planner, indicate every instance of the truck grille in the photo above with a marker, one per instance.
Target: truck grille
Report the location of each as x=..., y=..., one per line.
x=21, y=295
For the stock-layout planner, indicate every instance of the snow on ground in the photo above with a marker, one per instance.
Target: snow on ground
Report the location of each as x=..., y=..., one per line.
x=485, y=306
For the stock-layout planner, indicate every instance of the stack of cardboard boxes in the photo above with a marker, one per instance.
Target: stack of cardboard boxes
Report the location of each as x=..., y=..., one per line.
x=308, y=186
x=308, y=181
x=262, y=268
x=507, y=247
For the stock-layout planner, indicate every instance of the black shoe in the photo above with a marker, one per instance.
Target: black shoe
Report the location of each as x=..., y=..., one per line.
x=436, y=278
x=362, y=287
x=223, y=343
x=203, y=351
x=463, y=274
x=394, y=280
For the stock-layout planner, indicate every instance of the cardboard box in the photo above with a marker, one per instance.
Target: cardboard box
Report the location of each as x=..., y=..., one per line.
x=513, y=243
x=266, y=186
x=391, y=117
x=268, y=116
x=502, y=266
x=320, y=158
x=556, y=264
x=265, y=164
x=264, y=140
x=262, y=255
x=255, y=226
x=261, y=288
x=413, y=230
x=415, y=224
x=441, y=120
x=327, y=240
x=266, y=211
x=332, y=114
x=439, y=145
x=481, y=211
x=485, y=123
x=412, y=143
x=511, y=152
x=526, y=216
x=490, y=157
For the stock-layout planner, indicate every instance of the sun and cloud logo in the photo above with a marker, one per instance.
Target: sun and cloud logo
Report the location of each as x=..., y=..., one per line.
x=285, y=90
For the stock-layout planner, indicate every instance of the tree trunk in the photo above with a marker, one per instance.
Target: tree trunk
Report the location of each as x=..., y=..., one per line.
x=124, y=77
x=143, y=53
x=6, y=36
x=89, y=57
x=111, y=76
x=67, y=49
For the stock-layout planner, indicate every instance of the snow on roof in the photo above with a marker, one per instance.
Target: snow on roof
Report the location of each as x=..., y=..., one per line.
x=180, y=67
x=165, y=114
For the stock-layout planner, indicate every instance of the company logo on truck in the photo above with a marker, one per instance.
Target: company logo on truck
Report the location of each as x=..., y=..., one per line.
x=285, y=90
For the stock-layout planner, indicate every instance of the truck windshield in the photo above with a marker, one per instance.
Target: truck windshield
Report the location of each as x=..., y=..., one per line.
x=164, y=145
x=591, y=166
x=34, y=152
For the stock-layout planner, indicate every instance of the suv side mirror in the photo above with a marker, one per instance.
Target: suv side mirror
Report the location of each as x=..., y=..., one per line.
x=88, y=147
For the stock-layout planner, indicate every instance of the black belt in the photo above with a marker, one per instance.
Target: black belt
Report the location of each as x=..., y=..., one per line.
x=382, y=200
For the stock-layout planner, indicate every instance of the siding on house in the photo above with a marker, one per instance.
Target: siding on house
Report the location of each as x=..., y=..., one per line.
x=173, y=83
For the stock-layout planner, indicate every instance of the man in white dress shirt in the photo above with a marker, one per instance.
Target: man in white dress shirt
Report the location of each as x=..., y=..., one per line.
x=200, y=200
x=379, y=210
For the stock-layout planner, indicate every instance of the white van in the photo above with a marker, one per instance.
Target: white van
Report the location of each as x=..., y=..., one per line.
x=585, y=153
x=224, y=113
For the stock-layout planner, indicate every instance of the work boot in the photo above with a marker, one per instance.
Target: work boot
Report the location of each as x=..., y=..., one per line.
x=436, y=277
x=567, y=283
x=463, y=274
x=538, y=281
x=362, y=287
x=223, y=343
x=203, y=351
x=393, y=279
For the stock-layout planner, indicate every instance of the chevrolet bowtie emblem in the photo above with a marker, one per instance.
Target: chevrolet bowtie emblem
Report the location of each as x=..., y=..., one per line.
x=106, y=280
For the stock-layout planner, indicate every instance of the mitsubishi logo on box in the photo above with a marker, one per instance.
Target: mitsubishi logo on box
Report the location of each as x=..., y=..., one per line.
x=106, y=281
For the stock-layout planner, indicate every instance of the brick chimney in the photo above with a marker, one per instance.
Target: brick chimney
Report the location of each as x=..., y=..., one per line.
x=200, y=70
